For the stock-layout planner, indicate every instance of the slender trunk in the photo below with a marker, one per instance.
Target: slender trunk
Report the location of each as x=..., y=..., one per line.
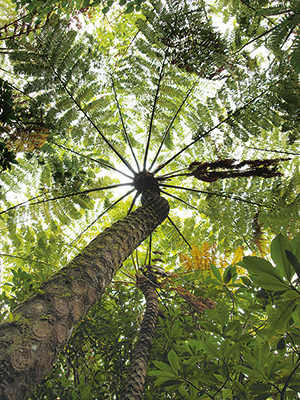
x=43, y=323
x=133, y=387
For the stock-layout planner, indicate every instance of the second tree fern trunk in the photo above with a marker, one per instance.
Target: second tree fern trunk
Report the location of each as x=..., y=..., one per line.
x=133, y=387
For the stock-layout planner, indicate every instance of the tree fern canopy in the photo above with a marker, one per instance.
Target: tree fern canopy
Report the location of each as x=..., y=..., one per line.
x=82, y=112
x=101, y=104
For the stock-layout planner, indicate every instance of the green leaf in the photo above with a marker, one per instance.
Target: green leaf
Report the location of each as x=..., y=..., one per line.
x=278, y=247
x=164, y=367
x=211, y=349
x=211, y=327
x=296, y=246
x=260, y=266
x=263, y=273
x=269, y=283
x=281, y=344
x=163, y=373
x=227, y=348
x=224, y=315
x=174, y=361
x=227, y=276
x=130, y=8
x=226, y=393
x=279, y=317
x=240, y=388
x=294, y=262
x=193, y=389
x=246, y=281
x=253, y=374
x=160, y=380
x=216, y=272
x=255, y=365
x=182, y=390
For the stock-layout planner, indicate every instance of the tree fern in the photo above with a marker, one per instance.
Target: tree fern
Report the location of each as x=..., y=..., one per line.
x=87, y=99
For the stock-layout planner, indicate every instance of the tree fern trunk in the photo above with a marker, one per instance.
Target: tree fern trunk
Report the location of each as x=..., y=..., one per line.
x=44, y=322
x=133, y=387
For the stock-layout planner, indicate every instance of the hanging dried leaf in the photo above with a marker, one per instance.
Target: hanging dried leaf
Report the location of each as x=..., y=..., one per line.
x=198, y=303
x=229, y=168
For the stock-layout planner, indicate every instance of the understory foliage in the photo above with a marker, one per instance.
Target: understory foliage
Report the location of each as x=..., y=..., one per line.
x=242, y=345
x=90, y=101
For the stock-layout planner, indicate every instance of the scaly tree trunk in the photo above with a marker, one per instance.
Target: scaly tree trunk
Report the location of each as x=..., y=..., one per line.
x=133, y=387
x=43, y=323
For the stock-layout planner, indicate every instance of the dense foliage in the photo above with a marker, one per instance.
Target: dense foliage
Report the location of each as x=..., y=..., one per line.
x=86, y=102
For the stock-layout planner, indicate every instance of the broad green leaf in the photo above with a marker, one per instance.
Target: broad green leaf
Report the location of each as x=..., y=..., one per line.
x=281, y=344
x=228, y=274
x=278, y=247
x=263, y=273
x=246, y=281
x=260, y=266
x=280, y=316
x=182, y=390
x=255, y=365
x=253, y=374
x=211, y=327
x=240, y=388
x=294, y=262
x=264, y=353
x=224, y=315
x=226, y=393
x=193, y=360
x=164, y=367
x=296, y=245
x=163, y=373
x=162, y=379
x=269, y=282
x=216, y=272
x=174, y=361
x=193, y=389
x=228, y=349
x=211, y=349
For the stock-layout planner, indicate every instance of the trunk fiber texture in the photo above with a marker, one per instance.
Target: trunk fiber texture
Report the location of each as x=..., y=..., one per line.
x=133, y=387
x=44, y=322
